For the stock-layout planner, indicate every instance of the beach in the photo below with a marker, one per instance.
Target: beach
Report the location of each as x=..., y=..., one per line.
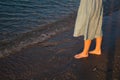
x=53, y=59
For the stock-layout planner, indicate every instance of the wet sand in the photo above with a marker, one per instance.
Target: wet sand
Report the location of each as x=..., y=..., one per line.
x=53, y=59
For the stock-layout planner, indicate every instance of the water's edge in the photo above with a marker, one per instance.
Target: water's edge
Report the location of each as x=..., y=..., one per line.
x=43, y=33
x=37, y=36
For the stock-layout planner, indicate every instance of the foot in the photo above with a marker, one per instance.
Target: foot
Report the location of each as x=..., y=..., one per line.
x=80, y=55
x=95, y=52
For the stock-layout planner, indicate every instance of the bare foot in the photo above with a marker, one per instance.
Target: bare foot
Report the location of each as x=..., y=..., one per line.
x=80, y=55
x=95, y=52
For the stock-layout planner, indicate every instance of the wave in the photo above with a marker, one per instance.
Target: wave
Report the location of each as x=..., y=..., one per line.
x=35, y=36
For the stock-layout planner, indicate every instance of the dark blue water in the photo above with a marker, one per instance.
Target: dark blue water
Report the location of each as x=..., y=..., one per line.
x=18, y=16
x=21, y=21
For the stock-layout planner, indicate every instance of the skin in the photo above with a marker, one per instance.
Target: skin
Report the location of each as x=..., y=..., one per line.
x=85, y=52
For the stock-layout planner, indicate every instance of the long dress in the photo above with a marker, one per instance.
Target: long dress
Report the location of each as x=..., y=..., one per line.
x=89, y=19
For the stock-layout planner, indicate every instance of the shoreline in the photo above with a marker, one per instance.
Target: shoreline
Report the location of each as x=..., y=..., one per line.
x=46, y=32
x=41, y=34
x=38, y=35
x=53, y=59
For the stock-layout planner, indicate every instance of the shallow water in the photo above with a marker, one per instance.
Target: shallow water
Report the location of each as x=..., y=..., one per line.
x=18, y=18
x=25, y=22
x=24, y=15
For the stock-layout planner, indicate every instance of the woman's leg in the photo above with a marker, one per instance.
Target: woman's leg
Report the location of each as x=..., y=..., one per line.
x=97, y=50
x=84, y=53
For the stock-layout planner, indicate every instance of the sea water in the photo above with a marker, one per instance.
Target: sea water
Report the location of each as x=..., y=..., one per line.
x=19, y=19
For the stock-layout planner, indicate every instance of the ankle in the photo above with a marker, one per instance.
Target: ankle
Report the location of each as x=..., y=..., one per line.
x=85, y=52
x=97, y=50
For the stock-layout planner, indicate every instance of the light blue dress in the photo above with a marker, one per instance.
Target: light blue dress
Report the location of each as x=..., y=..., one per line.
x=89, y=19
